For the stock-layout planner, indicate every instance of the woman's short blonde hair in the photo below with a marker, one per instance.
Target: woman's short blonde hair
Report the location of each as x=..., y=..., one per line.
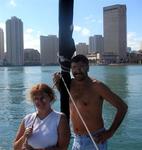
x=42, y=88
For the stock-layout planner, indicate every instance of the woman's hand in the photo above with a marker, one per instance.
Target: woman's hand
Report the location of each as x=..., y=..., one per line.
x=28, y=132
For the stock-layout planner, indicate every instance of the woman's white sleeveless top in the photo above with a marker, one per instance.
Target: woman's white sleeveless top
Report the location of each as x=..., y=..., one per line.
x=45, y=131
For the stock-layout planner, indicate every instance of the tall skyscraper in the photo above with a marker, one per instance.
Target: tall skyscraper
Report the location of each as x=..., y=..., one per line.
x=14, y=41
x=115, y=38
x=49, y=46
x=1, y=46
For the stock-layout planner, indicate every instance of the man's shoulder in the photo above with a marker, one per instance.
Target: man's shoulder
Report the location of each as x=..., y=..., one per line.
x=93, y=80
x=100, y=87
x=98, y=84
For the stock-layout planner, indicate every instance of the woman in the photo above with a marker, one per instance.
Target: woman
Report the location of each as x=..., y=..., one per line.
x=45, y=129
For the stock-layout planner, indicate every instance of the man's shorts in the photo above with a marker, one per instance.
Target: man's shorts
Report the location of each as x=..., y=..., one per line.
x=84, y=142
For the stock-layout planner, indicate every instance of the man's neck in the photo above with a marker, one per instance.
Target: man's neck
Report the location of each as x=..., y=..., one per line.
x=85, y=80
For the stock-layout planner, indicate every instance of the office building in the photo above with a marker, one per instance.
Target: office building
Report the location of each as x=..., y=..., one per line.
x=31, y=57
x=1, y=46
x=96, y=44
x=49, y=47
x=115, y=33
x=14, y=41
x=82, y=48
x=91, y=44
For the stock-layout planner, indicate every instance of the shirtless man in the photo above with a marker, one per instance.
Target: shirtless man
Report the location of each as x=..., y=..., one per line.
x=89, y=95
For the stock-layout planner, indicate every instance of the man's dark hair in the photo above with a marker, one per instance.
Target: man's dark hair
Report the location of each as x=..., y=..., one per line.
x=80, y=58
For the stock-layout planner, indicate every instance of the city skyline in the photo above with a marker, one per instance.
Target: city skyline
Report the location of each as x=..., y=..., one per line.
x=41, y=18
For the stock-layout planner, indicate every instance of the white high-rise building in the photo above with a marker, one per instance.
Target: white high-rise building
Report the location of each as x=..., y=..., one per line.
x=1, y=46
x=115, y=34
x=141, y=45
x=49, y=47
x=14, y=41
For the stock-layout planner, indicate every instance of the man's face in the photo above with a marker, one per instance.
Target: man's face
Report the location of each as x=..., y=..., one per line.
x=79, y=70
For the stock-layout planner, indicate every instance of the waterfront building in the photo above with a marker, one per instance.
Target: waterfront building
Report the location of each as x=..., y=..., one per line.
x=115, y=34
x=91, y=44
x=1, y=46
x=141, y=45
x=14, y=41
x=49, y=47
x=135, y=57
x=96, y=44
x=94, y=58
x=82, y=48
x=31, y=57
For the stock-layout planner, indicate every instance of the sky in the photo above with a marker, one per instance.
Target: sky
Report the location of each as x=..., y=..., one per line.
x=40, y=17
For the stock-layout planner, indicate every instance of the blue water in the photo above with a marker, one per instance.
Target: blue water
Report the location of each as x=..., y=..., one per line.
x=126, y=81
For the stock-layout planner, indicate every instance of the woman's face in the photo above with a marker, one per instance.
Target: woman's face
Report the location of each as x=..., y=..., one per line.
x=41, y=101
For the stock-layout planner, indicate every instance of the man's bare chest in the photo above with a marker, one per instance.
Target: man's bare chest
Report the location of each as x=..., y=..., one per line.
x=84, y=94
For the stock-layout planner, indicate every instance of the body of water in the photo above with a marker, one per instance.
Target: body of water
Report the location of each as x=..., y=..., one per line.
x=126, y=81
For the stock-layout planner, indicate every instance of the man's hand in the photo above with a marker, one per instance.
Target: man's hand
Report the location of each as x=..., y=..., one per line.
x=56, y=80
x=102, y=136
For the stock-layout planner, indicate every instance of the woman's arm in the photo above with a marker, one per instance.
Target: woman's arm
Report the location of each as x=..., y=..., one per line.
x=20, y=137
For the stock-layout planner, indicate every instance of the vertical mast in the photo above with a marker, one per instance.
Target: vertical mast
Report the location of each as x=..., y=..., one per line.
x=66, y=49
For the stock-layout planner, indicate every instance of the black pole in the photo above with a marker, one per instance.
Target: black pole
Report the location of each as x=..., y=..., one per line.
x=66, y=49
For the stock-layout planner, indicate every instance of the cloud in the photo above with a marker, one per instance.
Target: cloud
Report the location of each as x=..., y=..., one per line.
x=32, y=39
x=134, y=41
x=13, y=3
x=77, y=28
x=85, y=32
x=91, y=19
x=30, y=30
x=82, y=30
